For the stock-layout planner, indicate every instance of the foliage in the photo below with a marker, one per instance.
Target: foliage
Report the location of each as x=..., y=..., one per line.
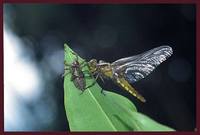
x=93, y=111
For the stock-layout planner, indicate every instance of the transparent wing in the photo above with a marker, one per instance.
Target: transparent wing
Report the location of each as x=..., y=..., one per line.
x=139, y=66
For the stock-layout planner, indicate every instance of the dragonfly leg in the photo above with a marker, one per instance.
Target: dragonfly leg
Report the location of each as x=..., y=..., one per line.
x=95, y=81
x=81, y=92
x=66, y=73
x=66, y=65
x=101, y=79
x=99, y=75
x=75, y=55
x=102, y=92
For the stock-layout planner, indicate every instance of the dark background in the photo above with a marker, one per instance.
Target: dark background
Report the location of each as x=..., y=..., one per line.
x=110, y=32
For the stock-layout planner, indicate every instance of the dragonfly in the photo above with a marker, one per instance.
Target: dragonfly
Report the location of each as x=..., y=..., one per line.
x=128, y=70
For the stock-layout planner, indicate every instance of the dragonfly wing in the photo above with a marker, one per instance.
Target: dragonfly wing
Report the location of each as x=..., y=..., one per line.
x=139, y=66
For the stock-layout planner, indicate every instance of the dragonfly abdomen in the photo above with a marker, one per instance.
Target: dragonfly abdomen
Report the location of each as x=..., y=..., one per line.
x=126, y=86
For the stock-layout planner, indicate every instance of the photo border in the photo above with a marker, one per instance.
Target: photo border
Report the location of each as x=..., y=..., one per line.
x=196, y=2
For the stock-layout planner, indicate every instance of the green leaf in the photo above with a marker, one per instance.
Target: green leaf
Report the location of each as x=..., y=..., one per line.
x=93, y=111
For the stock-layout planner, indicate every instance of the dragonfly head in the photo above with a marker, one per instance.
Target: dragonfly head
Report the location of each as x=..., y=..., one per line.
x=93, y=65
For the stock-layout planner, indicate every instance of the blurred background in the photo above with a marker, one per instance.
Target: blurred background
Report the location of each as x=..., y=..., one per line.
x=34, y=35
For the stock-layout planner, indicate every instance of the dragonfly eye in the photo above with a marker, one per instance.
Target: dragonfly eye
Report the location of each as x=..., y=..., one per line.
x=93, y=64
